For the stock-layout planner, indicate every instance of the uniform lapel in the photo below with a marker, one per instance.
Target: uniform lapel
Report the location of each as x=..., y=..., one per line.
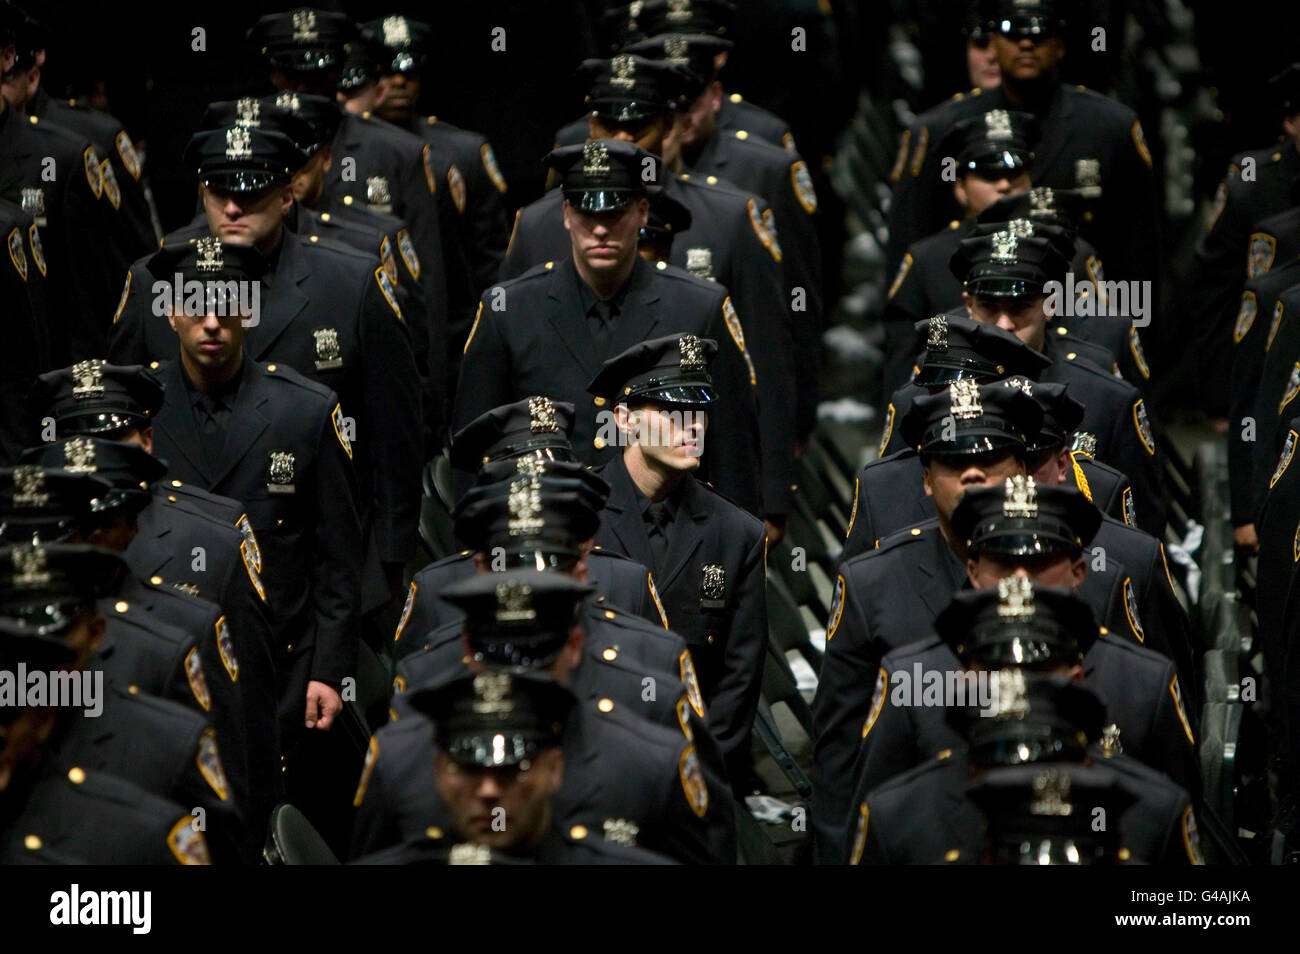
x=150, y=552
x=247, y=422
x=282, y=300
x=565, y=314
x=175, y=421
x=622, y=513
x=640, y=314
x=931, y=581
x=1056, y=126
x=687, y=531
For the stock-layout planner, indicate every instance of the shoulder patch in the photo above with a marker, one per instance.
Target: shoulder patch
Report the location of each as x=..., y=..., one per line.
x=188, y=845
x=367, y=770
x=801, y=180
x=252, y=552
x=1284, y=459
x=1259, y=259
x=111, y=190
x=888, y=432
x=491, y=168
x=1143, y=425
x=900, y=161
x=210, y=767
x=38, y=251
x=1130, y=510
x=837, y=608
x=1164, y=560
x=407, y=248
x=1245, y=316
x=198, y=682
x=430, y=179
x=1140, y=143
x=769, y=223
x=860, y=838
x=473, y=328
x=738, y=336
x=93, y=176
x=1272, y=328
x=1217, y=206
x=760, y=229
x=341, y=429
x=387, y=258
x=1295, y=545
x=918, y=157
x=456, y=185
x=686, y=667
x=1139, y=356
x=386, y=286
x=1292, y=388
x=693, y=783
x=877, y=702
x=406, y=610
x=853, y=514
x=1131, y=611
x=16, y=253
x=121, y=302
x=654, y=595
x=684, y=718
x=1191, y=837
x=904, y=267
x=226, y=649
x=1176, y=691
x=126, y=152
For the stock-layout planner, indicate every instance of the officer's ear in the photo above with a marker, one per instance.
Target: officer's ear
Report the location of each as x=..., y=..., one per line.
x=1078, y=571
x=642, y=212
x=971, y=567
x=959, y=190
x=327, y=158
x=626, y=419
x=480, y=563
x=548, y=770
x=286, y=198
x=568, y=216
x=925, y=480
x=171, y=316
x=715, y=96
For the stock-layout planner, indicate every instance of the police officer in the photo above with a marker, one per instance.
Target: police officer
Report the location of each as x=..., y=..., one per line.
x=501, y=747
x=1006, y=279
x=599, y=300
x=483, y=215
x=728, y=241
x=327, y=312
x=1089, y=142
x=708, y=555
x=1043, y=724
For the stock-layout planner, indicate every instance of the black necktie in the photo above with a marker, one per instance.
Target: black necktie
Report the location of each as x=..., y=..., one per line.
x=212, y=432
x=600, y=320
x=657, y=519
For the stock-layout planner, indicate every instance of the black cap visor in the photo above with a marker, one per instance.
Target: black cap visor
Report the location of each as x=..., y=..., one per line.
x=231, y=181
x=983, y=439
x=602, y=199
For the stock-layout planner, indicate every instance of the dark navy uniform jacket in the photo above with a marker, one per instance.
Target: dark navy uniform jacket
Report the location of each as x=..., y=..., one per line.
x=25, y=325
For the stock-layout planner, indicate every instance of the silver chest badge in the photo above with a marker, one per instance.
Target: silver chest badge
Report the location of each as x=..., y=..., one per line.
x=279, y=473
x=328, y=354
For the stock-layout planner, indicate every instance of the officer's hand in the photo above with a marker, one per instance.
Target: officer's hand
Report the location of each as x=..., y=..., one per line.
x=1245, y=538
x=323, y=704
x=775, y=528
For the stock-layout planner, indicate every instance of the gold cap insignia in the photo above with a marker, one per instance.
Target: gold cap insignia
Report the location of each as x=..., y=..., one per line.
x=288, y=100
x=622, y=72
x=1005, y=246
x=1022, y=497
x=692, y=353
x=997, y=124
x=515, y=603
x=677, y=49
x=1010, y=696
x=31, y=566
x=541, y=416
x=492, y=693
x=396, y=32
x=525, y=503
x=1023, y=228
x=1085, y=443
x=304, y=26
x=964, y=400
x=1110, y=743
x=248, y=111
x=533, y=464
x=1015, y=598
x=239, y=142
x=1042, y=200
x=1024, y=385
x=595, y=159
x=210, y=257
x=29, y=487
x=79, y=456
x=88, y=379
x=1051, y=795
x=937, y=339
x=679, y=10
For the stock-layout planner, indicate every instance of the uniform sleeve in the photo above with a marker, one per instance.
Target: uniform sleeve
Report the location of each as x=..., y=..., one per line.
x=1132, y=214
x=862, y=533
x=922, y=201
x=520, y=254
x=734, y=453
x=336, y=574
x=844, y=698
x=486, y=220
x=759, y=297
x=1172, y=740
x=420, y=211
x=793, y=208
x=411, y=300
x=735, y=696
x=374, y=826
x=460, y=283
x=1165, y=617
x=87, y=219
x=129, y=332
x=485, y=372
x=1128, y=451
x=391, y=392
x=888, y=745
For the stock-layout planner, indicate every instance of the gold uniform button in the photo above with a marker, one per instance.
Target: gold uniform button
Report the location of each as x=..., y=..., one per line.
x=133, y=690
x=1123, y=854
x=176, y=483
x=347, y=200
x=1062, y=331
x=598, y=401
x=742, y=134
x=289, y=648
x=609, y=655
x=945, y=754
x=324, y=216
x=32, y=843
x=662, y=266
x=121, y=606
x=952, y=855
x=171, y=499
x=156, y=580
x=433, y=831
x=609, y=614
x=599, y=443
x=578, y=832
x=1072, y=355
x=916, y=531
x=154, y=365
x=315, y=238
x=710, y=639
x=712, y=180
x=76, y=776
x=605, y=705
